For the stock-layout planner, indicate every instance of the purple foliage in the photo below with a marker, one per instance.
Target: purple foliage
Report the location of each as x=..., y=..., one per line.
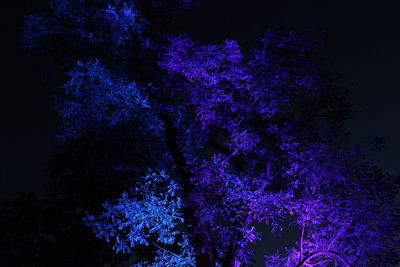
x=243, y=130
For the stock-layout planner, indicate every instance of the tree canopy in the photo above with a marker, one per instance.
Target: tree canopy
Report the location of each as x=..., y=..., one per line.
x=221, y=138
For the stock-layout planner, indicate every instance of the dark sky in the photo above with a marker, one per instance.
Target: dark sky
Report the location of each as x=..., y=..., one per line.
x=363, y=49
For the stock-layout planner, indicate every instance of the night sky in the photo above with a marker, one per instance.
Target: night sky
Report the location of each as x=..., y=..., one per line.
x=363, y=49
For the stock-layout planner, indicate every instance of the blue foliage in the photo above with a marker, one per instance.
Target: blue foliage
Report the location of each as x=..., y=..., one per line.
x=94, y=95
x=151, y=211
x=123, y=21
x=169, y=259
x=241, y=128
x=113, y=22
x=36, y=28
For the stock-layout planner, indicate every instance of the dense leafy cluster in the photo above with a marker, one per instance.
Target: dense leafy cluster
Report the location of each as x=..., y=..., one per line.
x=94, y=95
x=113, y=23
x=251, y=135
x=150, y=217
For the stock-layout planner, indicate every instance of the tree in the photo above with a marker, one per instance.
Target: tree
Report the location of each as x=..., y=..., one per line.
x=224, y=137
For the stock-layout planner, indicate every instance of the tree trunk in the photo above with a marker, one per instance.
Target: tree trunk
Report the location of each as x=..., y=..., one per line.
x=204, y=257
x=231, y=260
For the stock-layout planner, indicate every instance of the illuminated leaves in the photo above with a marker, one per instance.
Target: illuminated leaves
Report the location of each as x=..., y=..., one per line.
x=238, y=126
x=95, y=95
x=151, y=213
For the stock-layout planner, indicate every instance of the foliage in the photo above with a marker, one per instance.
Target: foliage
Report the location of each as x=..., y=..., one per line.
x=151, y=218
x=242, y=136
